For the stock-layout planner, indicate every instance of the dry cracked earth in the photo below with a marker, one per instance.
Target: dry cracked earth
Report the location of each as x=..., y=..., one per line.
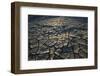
x=57, y=37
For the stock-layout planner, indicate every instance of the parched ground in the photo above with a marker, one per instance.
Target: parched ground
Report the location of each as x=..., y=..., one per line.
x=57, y=37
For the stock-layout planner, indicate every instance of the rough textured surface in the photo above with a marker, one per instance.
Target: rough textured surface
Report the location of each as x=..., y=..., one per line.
x=57, y=37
